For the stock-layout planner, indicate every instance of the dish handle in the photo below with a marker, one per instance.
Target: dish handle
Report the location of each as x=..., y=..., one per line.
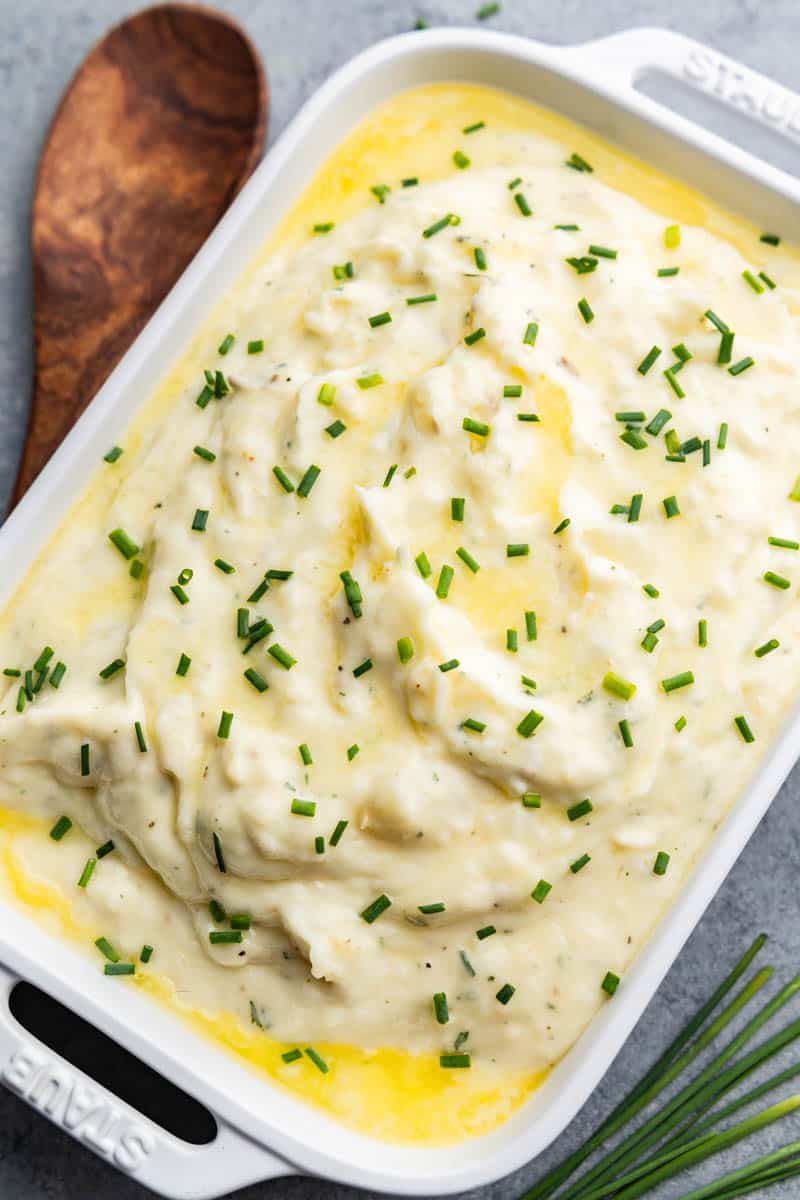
x=115, y=1131
x=624, y=58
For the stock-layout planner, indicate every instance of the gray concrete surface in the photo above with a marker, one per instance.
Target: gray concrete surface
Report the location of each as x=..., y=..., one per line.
x=41, y=43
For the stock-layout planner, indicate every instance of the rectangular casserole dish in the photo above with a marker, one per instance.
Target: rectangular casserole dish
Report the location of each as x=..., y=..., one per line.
x=263, y=1132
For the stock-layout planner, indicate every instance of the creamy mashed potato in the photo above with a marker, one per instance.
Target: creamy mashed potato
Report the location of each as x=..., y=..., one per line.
x=415, y=650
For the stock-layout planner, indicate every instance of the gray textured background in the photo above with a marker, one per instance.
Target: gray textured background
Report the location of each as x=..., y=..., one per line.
x=41, y=43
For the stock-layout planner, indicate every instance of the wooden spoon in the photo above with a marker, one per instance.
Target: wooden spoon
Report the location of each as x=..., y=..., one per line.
x=159, y=128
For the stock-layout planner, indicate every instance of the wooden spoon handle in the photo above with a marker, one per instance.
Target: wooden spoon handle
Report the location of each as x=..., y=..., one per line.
x=158, y=130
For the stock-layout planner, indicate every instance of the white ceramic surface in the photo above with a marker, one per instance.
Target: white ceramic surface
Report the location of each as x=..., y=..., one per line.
x=264, y=1132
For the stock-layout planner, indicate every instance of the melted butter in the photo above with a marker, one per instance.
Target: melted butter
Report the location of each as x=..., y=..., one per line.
x=387, y=1093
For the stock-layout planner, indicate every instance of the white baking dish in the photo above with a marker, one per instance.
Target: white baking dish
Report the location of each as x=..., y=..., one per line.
x=264, y=1132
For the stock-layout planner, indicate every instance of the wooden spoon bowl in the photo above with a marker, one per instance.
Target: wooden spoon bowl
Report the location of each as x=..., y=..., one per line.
x=156, y=133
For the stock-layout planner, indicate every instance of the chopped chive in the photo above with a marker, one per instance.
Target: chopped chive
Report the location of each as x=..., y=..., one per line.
x=669, y=375
x=352, y=593
x=585, y=309
x=145, y=954
x=514, y=183
x=457, y=508
x=625, y=734
x=778, y=581
x=562, y=525
x=106, y=949
x=602, y=252
x=225, y=937
x=635, y=508
x=303, y=808
x=618, y=686
x=656, y=626
x=468, y=560
x=185, y=575
x=218, y=913
x=219, y=854
x=437, y=226
x=281, y=575
x=242, y=622
x=445, y=579
x=428, y=909
x=783, y=543
x=667, y=272
x=770, y=239
x=480, y=429
x=119, y=968
x=672, y=236
x=581, y=809
x=87, y=872
x=440, y=1008
x=531, y=800
x=283, y=479
x=390, y=474
x=541, y=891
x=528, y=683
x=742, y=365
x=680, y=724
x=423, y=565
x=649, y=359
x=61, y=827
x=530, y=626
x=671, y=507
x=578, y=163
x=633, y=439
x=725, y=351
x=226, y=344
x=658, y=422
x=12, y=672
x=336, y=836
x=766, y=648
x=257, y=681
x=636, y=418
x=374, y=910
x=473, y=725
x=200, y=520
x=205, y=396
x=335, y=429
x=85, y=767
x=125, y=544
x=326, y=394
x=224, y=727
x=405, y=649
x=661, y=863
x=324, y=226
x=722, y=439
x=505, y=993
x=475, y=336
x=255, y=346
x=305, y=754
x=610, y=983
x=381, y=191
x=649, y=642
x=362, y=668
x=140, y=738
x=474, y=128
x=206, y=455
x=512, y=641
x=372, y=381
x=752, y=282
x=715, y=320
x=460, y=159
x=567, y=228
x=580, y=863
x=480, y=258
x=527, y=417
x=485, y=932
x=529, y=723
x=706, y=452
x=290, y=1056
x=29, y=685
x=702, y=632
x=428, y=298
x=114, y=454
x=674, y=682
x=522, y=204
x=454, y=1061
x=226, y=567
x=383, y=318
x=307, y=482
x=584, y=264
x=106, y=848
x=512, y=391
x=281, y=656
x=450, y=665
x=352, y=751
x=531, y=333
x=744, y=729
x=184, y=662
x=517, y=550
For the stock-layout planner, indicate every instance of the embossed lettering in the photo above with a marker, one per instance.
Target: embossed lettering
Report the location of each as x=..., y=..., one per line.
x=21, y=1068
x=134, y=1146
